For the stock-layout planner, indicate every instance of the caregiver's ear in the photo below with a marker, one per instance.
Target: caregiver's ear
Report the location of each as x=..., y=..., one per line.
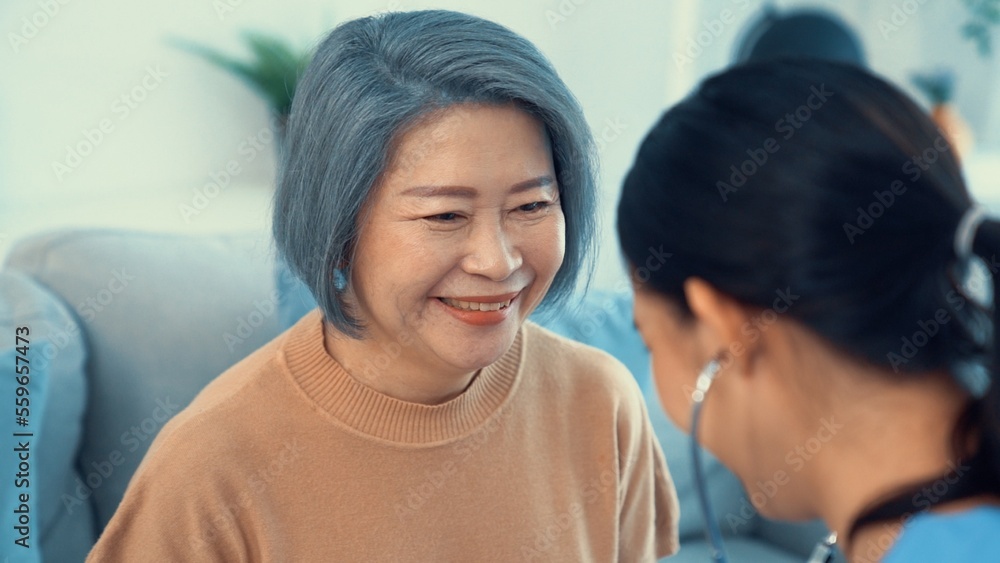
x=720, y=319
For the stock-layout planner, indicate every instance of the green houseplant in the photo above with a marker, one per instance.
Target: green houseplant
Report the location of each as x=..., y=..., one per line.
x=272, y=71
x=983, y=16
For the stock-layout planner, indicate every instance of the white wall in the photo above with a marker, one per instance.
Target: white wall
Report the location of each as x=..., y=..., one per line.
x=67, y=73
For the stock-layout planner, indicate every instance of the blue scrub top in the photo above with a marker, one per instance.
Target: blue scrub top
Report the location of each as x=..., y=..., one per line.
x=969, y=535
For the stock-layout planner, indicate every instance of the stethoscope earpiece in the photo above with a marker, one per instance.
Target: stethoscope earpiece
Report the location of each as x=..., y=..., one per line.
x=824, y=550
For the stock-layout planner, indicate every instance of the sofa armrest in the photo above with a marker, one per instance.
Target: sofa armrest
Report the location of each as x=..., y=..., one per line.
x=161, y=315
x=52, y=386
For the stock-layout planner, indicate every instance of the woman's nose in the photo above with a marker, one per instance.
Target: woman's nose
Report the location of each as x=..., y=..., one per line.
x=491, y=252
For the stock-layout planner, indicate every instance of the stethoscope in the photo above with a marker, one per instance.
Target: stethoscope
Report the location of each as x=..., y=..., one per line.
x=824, y=550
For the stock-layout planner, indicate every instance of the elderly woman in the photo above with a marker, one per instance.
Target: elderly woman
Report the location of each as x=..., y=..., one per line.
x=437, y=188
x=828, y=276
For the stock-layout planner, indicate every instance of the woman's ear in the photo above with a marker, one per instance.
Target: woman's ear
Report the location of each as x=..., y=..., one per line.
x=721, y=320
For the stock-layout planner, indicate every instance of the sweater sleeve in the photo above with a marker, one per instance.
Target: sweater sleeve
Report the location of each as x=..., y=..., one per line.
x=648, y=501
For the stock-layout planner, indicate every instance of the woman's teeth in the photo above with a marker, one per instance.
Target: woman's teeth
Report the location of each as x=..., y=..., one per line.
x=476, y=306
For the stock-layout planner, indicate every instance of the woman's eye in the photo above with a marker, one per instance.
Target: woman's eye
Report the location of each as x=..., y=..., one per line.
x=534, y=207
x=444, y=217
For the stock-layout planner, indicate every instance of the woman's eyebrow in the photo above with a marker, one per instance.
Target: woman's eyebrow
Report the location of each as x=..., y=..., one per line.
x=539, y=182
x=440, y=191
x=468, y=192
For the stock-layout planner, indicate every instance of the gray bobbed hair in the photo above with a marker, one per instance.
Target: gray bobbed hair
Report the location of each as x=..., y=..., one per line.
x=368, y=81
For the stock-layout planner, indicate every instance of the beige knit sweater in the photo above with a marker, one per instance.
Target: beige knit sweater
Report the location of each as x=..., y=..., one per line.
x=547, y=456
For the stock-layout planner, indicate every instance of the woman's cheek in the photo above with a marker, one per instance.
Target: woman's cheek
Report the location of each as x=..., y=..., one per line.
x=554, y=239
x=673, y=389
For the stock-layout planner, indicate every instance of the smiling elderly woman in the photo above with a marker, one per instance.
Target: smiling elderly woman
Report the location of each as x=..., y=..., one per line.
x=438, y=186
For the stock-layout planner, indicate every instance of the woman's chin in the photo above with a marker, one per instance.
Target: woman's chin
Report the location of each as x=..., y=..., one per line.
x=474, y=356
x=469, y=364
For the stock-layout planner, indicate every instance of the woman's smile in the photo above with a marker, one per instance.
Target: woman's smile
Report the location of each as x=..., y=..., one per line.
x=482, y=310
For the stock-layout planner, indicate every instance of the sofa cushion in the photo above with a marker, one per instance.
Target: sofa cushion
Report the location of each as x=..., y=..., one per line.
x=162, y=315
x=295, y=299
x=56, y=397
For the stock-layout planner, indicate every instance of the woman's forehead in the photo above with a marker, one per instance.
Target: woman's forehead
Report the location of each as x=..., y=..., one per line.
x=471, y=145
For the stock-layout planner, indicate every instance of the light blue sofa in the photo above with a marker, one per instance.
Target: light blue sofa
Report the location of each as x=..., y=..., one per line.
x=127, y=327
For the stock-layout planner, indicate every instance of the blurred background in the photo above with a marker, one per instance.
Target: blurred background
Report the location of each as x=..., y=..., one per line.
x=109, y=118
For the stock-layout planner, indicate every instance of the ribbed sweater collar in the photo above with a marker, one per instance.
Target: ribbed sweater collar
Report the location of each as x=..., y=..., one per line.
x=374, y=414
